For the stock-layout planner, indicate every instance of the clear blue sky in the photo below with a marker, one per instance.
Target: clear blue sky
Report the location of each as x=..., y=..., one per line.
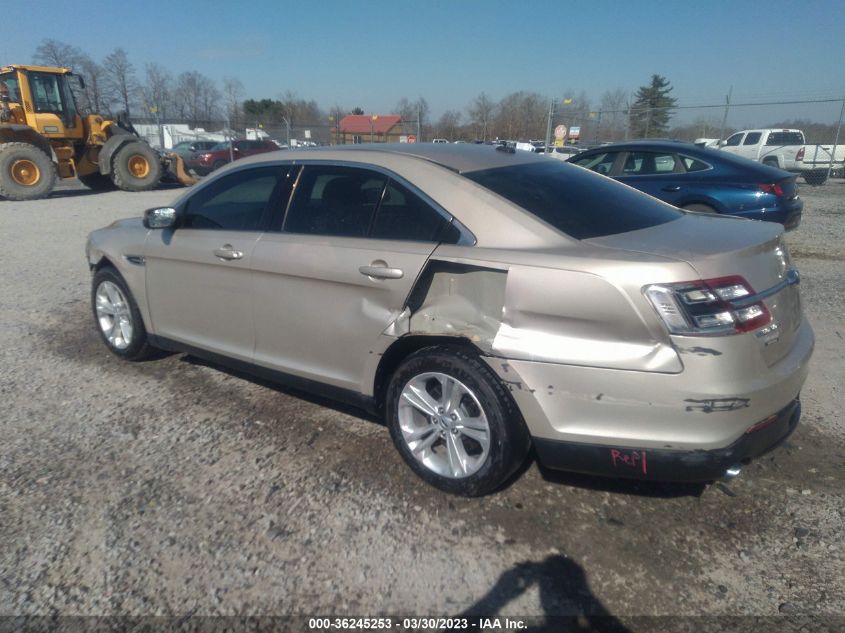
x=371, y=53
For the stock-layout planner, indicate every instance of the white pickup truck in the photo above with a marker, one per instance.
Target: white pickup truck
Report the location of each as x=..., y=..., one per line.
x=786, y=149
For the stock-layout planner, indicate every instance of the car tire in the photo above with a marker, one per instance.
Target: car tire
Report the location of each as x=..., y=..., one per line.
x=97, y=181
x=218, y=164
x=117, y=316
x=468, y=444
x=136, y=167
x=26, y=172
x=815, y=177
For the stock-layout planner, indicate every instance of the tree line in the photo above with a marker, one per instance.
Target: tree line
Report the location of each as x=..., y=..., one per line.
x=153, y=93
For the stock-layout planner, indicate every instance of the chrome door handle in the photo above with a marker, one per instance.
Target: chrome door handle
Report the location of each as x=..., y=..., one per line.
x=672, y=188
x=227, y=252
x=382, y=272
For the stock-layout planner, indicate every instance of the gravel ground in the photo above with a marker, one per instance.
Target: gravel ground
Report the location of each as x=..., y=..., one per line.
x=174, y=487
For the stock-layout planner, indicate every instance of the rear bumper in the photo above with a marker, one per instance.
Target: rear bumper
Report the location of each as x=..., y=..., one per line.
x=787, y=213
x=666, y=465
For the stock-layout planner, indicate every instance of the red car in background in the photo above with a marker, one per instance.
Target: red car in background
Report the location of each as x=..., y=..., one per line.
x=205, y=162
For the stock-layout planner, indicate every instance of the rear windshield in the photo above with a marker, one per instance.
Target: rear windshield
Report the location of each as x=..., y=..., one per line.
x=574, y=200
x=785, y=138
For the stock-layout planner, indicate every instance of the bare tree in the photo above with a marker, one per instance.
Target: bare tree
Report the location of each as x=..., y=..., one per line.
x=121, y=86
x=156, y=91
x=197, y=99
x=522, y=115
x=233, y=91
x=448, y=124
x=55, y=53
x=613, y=114
x=412, y=112
x=481, y=112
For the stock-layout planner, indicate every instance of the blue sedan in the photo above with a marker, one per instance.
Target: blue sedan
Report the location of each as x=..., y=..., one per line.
x=700, y=179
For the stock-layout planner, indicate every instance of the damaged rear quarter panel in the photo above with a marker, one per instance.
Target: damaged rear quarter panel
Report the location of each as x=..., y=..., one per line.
x=576, y=318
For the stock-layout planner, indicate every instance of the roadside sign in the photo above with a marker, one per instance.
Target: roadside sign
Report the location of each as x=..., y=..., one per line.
x=574, y=133
x=403, y=138
x=308, y=134
x=412, y=138
x=560, y=132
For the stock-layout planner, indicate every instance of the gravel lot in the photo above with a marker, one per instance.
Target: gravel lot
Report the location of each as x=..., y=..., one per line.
x=173, y=487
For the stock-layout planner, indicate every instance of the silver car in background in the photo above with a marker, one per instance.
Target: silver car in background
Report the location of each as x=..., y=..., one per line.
x=483, y=302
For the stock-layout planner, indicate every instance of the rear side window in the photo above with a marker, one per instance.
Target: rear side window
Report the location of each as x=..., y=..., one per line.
x=236, y=202
x=785, y=138
x=752, y=138
x=334, y=200
x=402, y=215
x=693, y=164
x=648, y=163
x=575, y=201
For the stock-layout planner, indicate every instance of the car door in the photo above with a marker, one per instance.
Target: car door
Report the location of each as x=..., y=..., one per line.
x=337, y=272
x=660, y=174
x=750, y=147
x=198, y=274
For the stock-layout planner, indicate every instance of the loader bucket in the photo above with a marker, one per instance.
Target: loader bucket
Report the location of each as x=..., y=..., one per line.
x=176, y=168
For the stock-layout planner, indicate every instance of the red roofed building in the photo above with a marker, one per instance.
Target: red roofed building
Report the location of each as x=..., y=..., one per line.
x=364, y=128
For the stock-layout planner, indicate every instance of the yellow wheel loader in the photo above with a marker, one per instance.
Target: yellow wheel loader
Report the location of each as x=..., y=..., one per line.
x=43, y=136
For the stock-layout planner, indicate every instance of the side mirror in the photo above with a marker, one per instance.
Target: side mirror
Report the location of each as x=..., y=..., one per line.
x=160, y=218
x=722, y=143
x=81, y=81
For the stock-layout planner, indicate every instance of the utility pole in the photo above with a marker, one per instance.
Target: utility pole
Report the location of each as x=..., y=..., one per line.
x=419, y=125
x=549, y=124
x=725, y=118
x=836, y=140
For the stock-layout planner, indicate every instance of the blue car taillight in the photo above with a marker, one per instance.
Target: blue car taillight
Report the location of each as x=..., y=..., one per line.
x=708, y=306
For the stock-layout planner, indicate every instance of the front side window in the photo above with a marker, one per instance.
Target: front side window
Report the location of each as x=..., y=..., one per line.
x=334, y=200
x=599, y=163
x=236, y=202
x=574, y=201
x=752, y=138
x=10, y=81
x=734, y=140
x=403, y=215
x=46, y=96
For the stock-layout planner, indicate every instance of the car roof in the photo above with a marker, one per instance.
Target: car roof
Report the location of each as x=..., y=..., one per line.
x=707, y=154
x=460, y=158
x=644, y=144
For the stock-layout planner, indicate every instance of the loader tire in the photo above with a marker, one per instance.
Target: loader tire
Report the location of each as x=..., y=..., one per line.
x=26, y=172
x=97, y=181
x=136, y=167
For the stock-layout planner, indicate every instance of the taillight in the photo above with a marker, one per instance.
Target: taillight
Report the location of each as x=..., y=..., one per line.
x=773, y=188
x=724, y=305
x=800, y=154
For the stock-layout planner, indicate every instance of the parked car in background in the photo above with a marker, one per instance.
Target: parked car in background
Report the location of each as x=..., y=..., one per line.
x=480, y=301
x=205, y=162
x=439, y=140
x=700, y=179
x=186, y=149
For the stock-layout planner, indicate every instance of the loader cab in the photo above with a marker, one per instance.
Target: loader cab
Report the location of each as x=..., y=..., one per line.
x=46, y=98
